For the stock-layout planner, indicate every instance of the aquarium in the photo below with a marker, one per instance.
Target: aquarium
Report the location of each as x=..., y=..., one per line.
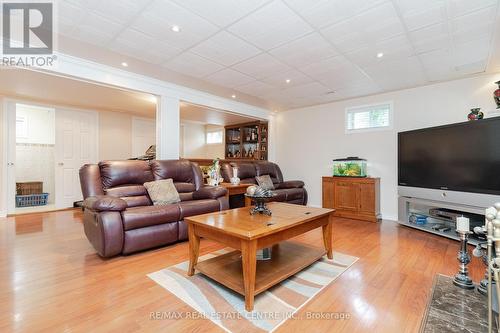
x=349, y=167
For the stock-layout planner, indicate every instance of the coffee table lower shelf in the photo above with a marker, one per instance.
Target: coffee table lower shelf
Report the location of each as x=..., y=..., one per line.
x=287, y=259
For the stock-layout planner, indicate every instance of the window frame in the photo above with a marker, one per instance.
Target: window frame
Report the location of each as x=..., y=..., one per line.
x=214, y=131
x=352, y=109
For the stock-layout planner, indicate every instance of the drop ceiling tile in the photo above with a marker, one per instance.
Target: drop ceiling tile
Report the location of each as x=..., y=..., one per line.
x=222, y=12
x=121, y=11
x=96, y=30
x=471, y=52
x=141, y=46
x=191, y=64
x=261, y=66
x=393, y=48
x=431, y=38
x=229, y=78
x=158, y=18
x=310, y=48
x=334, y=72
x=483, y=18
x=417, y=16
x=225, y=49
x=304, y=90
x=270, y=26
x=320, y=13
x=365, y=28
x=295, y=77
x=257, y=88
x=461, y=7
x=401, y=73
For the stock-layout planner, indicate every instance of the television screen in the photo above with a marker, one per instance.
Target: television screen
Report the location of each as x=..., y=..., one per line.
x=459, y=157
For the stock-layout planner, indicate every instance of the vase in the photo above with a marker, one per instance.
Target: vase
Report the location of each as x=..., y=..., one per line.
x=496, y=95
x=475, y=114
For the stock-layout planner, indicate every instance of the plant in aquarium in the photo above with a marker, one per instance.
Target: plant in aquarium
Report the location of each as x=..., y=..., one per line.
x=349, y=167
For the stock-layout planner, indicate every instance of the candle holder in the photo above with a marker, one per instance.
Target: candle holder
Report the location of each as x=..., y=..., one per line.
x=462, y=278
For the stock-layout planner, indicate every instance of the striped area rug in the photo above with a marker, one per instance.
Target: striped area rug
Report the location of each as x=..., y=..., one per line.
x=272, y=308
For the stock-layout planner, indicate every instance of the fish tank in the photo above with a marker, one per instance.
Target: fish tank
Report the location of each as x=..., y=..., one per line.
x=349, y=167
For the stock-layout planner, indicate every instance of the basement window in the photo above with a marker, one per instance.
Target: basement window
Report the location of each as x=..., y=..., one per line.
x=214, y=137
x=369, y=117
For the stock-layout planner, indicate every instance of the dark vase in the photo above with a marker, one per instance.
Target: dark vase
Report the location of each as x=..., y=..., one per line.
x=475, y=114
x=496, y=95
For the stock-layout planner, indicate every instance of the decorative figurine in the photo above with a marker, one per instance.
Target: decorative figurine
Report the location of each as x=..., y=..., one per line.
x=235, y=180
x=214, y=176
x=475, y=114
x=496, y=95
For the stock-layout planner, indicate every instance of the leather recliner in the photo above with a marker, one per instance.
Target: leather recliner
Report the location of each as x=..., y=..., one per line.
x=286, y=191
x=119, y=217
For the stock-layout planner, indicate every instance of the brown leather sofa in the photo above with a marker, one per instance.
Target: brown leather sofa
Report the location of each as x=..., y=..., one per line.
x=119, y=217
x=286, y=191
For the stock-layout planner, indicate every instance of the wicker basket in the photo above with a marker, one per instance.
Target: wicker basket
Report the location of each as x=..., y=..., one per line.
x=32, y=200
x=27, y=188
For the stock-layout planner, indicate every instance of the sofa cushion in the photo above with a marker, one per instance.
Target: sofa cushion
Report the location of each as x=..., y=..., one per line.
x=280, y=195
x=134, y=195
x=140, y=217
x=265, y=182
x=197, y=207
x=293, y=193
x=116, y=173
x=162, y=192
x=269, y=168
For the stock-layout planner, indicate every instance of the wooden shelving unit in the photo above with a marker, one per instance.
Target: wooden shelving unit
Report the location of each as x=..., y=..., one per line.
x=247, y=141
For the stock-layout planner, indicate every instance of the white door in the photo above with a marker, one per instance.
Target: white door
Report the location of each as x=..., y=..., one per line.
x=143, y=135
x=10, y=116
x=76, y=145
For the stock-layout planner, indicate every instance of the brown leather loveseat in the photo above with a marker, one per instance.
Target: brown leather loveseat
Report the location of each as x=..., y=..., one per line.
x=119, y=217
x=286, y=191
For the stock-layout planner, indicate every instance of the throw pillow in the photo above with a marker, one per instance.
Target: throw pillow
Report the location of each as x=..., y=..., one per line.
x=162, y=192
x=265, y=182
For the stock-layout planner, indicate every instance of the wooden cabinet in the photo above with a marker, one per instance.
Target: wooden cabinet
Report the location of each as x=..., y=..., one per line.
x=356, y=198
x=247, y=141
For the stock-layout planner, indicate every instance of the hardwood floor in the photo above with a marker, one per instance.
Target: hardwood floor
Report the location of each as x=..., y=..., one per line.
x=51, y=280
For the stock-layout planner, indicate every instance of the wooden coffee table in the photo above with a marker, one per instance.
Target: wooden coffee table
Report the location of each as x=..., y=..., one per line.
x=236, y=228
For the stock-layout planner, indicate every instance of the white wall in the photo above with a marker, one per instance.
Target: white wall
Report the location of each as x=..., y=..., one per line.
x=193, y=140
x=309, y=138
x=215, y=150
x=40, y=123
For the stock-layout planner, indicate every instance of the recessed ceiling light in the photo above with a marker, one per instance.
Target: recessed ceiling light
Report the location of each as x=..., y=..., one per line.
x=233, y=96
x=176, y=28
x=124, y=64
x=288, y=80
x=380, y=55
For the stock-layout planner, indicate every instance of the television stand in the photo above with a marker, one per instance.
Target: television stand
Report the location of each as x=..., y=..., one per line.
x=408, y=206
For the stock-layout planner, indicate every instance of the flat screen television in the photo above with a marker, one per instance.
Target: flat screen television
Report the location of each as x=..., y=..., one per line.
x=459, y=157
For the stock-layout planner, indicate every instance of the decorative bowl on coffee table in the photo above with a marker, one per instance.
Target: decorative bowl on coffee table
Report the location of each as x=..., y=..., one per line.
x=260, y=204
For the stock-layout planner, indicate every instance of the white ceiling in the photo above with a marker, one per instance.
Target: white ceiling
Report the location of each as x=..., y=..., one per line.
x=327, y=48
x=207, y=116
x=56, y=90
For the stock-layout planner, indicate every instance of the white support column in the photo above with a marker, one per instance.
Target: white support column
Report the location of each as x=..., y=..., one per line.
x=167, y=128
x=272, y=137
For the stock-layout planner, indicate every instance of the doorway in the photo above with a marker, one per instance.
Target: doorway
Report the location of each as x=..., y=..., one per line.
x=34, y=158
x=46, y=146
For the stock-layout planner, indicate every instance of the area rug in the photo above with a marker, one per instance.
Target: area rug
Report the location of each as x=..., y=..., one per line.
x=452, y=309
x=272, y=308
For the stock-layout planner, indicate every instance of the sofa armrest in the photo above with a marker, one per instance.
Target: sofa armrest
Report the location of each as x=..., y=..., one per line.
x=290, y=184
x=105, y=203
x=209, y=192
